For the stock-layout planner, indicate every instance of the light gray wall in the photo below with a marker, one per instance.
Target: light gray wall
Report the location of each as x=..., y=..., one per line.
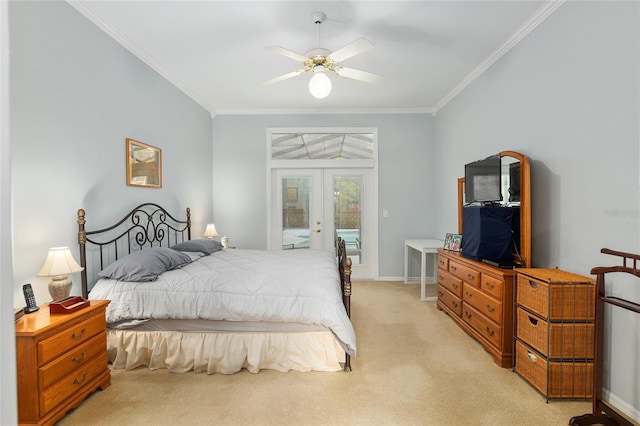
x=405, y=172
x=567, y=97
x=76, y=95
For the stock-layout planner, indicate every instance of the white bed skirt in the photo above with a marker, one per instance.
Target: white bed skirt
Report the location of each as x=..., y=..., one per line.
x=224, y=353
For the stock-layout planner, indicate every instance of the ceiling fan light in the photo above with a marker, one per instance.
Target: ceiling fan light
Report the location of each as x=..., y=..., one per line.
x=320, y=85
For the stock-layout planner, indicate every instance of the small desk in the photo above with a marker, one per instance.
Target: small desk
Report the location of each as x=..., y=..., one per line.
x=424, y=247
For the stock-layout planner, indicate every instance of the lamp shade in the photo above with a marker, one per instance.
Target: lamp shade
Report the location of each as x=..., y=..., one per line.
x=59, y=262
x=320, y=84
x=210, y=232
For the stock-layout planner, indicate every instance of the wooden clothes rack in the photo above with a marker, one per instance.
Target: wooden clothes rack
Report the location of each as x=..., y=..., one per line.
x=604, y=413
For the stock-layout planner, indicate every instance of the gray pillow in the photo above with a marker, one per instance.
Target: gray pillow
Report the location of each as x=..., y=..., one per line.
x=145, y=265
x=207, y=246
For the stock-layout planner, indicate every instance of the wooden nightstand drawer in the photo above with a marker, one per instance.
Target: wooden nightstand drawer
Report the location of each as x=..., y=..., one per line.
x=454, y=285
x=71, y=360
x=483, y=303
x=52, y=347
x=465, y=273
x=72, y=383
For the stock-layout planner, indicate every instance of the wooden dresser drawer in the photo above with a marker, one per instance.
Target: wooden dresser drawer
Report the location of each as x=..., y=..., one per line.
x=485, y=327
x=556, y=301
x=554, y=379
x=69, y=361
x=465, y=273
x=492, y=286
x=556, y=340
x=483, y=303
x=52, y=347
x=451, y=283
x=443, y=263
x=72, y=383
x=452, y=302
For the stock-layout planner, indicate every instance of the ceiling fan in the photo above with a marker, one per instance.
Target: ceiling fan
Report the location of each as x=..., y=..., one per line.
x=320, y=60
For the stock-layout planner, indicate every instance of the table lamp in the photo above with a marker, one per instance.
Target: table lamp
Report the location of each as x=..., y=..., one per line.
x=210, y=232
x=59, y=264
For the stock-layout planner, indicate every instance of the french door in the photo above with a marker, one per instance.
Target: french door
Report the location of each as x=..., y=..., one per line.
x=312, y=206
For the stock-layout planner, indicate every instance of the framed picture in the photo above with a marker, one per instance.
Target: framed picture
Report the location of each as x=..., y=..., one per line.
x=144, y=165
x=292, y=194
x=453, y=242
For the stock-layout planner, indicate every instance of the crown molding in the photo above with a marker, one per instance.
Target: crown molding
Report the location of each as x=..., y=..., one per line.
x=326, y=111
x=132, y=47
x=532, y=23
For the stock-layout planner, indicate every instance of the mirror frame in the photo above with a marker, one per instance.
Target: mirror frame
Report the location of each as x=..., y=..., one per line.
x=154, y=178
x=525, y=205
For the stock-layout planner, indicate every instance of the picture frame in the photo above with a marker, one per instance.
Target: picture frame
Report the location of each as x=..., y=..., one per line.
x=452, y=242
x=292, y=194
x=144, y=164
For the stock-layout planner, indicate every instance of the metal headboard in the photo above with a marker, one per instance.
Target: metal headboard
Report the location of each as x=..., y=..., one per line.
x=148, y=225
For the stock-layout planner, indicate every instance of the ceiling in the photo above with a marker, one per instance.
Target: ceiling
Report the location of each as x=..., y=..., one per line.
x=214, y=51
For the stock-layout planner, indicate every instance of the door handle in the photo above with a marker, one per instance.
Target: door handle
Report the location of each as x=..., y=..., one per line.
x=318, y=230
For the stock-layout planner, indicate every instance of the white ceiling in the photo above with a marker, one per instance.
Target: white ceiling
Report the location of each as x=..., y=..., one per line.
x=213, y=51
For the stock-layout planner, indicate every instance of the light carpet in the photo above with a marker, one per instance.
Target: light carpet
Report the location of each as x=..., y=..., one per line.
x=414, y=366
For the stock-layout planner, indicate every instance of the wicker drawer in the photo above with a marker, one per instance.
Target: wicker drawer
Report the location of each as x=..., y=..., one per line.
x=465, y=273
x=54, y=346
x=557, y=300
x=452, y=302
x=492, y=286
x=443, y=263
x=487, y=328
x=483, y=303
x=68, y=362
x=454, y=285
x=556, y=340
x=554, y=379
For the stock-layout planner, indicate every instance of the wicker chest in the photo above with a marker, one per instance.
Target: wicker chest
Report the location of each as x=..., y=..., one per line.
x=554, y=332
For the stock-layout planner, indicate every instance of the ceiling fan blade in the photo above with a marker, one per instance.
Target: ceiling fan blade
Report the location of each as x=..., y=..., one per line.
x=288, y=53
x=282, y=77
x=352, y=49
x=365, y=76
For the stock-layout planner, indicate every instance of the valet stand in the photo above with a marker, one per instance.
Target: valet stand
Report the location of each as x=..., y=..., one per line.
x=603, y=413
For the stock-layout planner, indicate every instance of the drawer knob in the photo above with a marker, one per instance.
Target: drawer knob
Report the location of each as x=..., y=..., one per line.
x=455, y=304
x=76, y=359
x=490, y=286
x=79, y=336
x=490, y=308
x=533, y=285
x=471, y=277
x=80, y=381
x=533, y=321
x=466, y=293
x=454, y=285
x=467, y=314
x=532, y=357
x=490, y=332
x=453, y=268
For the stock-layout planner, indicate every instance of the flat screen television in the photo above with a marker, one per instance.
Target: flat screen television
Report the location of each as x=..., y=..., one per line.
x=482, y=180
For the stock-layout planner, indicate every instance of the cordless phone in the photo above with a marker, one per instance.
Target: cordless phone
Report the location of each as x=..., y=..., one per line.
x=29, y=297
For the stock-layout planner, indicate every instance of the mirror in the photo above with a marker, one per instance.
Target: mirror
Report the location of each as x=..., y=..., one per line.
x=516, y=191
x=144, y=165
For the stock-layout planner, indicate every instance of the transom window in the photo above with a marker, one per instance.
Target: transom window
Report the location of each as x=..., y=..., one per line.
x=322, y=146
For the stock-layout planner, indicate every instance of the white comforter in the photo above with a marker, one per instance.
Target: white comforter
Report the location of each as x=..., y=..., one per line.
x=300, y=286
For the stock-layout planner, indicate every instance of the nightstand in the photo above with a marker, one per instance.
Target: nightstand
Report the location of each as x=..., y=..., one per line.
x=61, y=360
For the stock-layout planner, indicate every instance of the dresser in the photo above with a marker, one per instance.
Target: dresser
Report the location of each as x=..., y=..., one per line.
x=554, y=333
x=61, y=360
x=479, y=298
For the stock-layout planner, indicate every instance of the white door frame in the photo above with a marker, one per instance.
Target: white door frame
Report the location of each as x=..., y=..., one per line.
x=328, y=164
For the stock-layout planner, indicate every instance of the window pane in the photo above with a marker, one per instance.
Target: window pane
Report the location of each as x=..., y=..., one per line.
x=347, y=192
x=295, y=212
x=321, y=146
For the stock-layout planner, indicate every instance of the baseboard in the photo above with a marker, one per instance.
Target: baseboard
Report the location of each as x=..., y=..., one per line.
x=621, y=405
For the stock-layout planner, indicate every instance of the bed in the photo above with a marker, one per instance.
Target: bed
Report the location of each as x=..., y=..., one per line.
x=190, y=305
